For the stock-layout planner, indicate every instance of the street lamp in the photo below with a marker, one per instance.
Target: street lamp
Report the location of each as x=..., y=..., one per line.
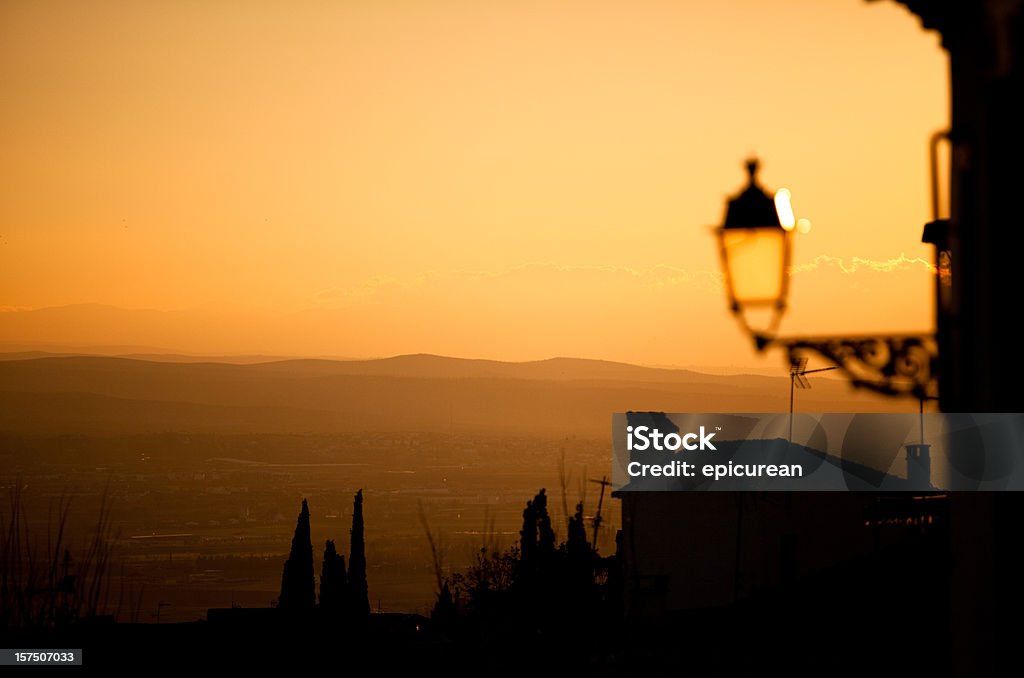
x=756, y=243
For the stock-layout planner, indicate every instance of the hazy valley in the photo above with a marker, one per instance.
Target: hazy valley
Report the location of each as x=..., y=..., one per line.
x=206, y=463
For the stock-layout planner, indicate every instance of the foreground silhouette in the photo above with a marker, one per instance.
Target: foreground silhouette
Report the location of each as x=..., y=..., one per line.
x=344, y=595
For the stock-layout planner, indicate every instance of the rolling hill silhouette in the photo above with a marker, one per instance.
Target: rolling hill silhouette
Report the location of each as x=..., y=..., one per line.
x=565, y=396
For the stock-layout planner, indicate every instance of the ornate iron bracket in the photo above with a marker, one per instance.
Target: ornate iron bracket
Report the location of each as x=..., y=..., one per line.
x=899, y=366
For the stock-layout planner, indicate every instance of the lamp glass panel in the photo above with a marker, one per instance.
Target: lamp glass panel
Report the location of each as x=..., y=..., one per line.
x=756, y=258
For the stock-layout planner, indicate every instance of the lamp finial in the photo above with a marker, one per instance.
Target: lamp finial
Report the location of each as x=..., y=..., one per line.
x=752, y=166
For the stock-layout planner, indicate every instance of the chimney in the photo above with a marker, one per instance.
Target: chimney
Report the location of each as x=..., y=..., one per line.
x=919, y=466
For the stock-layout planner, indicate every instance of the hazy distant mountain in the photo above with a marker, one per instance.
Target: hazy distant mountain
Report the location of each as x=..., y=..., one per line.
x=418, y=392
x=657, y=316
x=21, y=352
x=442, y=367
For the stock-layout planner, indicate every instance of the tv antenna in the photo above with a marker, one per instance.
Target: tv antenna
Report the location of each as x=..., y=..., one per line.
x=798, y=379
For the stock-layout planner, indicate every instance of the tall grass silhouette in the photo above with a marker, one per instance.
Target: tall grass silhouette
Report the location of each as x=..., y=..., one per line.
x=42, y=583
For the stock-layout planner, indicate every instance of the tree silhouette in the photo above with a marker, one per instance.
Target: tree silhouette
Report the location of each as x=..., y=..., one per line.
x=579, y=559
x=298, y=585
x=332, y=579
x=536, y=539
x=545, y=535
x=537, y=586
x=443, y=613
x=577, y=545
x=359, y=597
x=528, y=534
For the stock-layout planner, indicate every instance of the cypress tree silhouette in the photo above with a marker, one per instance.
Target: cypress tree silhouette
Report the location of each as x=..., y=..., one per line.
x=528, y=535
x=536, y=539
x=579, y=558
x=577, y=545
x=298, y=585
x=545, y=535
x=332, y=579
x=443, y=613
x=359, y=597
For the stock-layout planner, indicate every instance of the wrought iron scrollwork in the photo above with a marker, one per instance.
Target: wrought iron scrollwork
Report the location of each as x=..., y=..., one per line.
x=898, y=365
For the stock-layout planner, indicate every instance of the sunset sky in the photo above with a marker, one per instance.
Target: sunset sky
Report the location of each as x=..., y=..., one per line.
x=509, y=180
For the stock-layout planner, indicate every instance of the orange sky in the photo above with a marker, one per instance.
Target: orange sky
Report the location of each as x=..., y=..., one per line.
x=511, y=180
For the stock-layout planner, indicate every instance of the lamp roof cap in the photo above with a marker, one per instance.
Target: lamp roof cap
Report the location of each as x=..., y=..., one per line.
x=753, y=207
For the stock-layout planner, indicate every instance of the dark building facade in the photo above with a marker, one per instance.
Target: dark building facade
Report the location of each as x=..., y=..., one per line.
x=976, y=314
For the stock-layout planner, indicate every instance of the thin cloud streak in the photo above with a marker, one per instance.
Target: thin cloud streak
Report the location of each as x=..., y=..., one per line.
x=655, y=277
x=858, y=263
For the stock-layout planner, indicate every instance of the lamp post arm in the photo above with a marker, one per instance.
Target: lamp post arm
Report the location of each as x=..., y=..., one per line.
x=893, y=365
